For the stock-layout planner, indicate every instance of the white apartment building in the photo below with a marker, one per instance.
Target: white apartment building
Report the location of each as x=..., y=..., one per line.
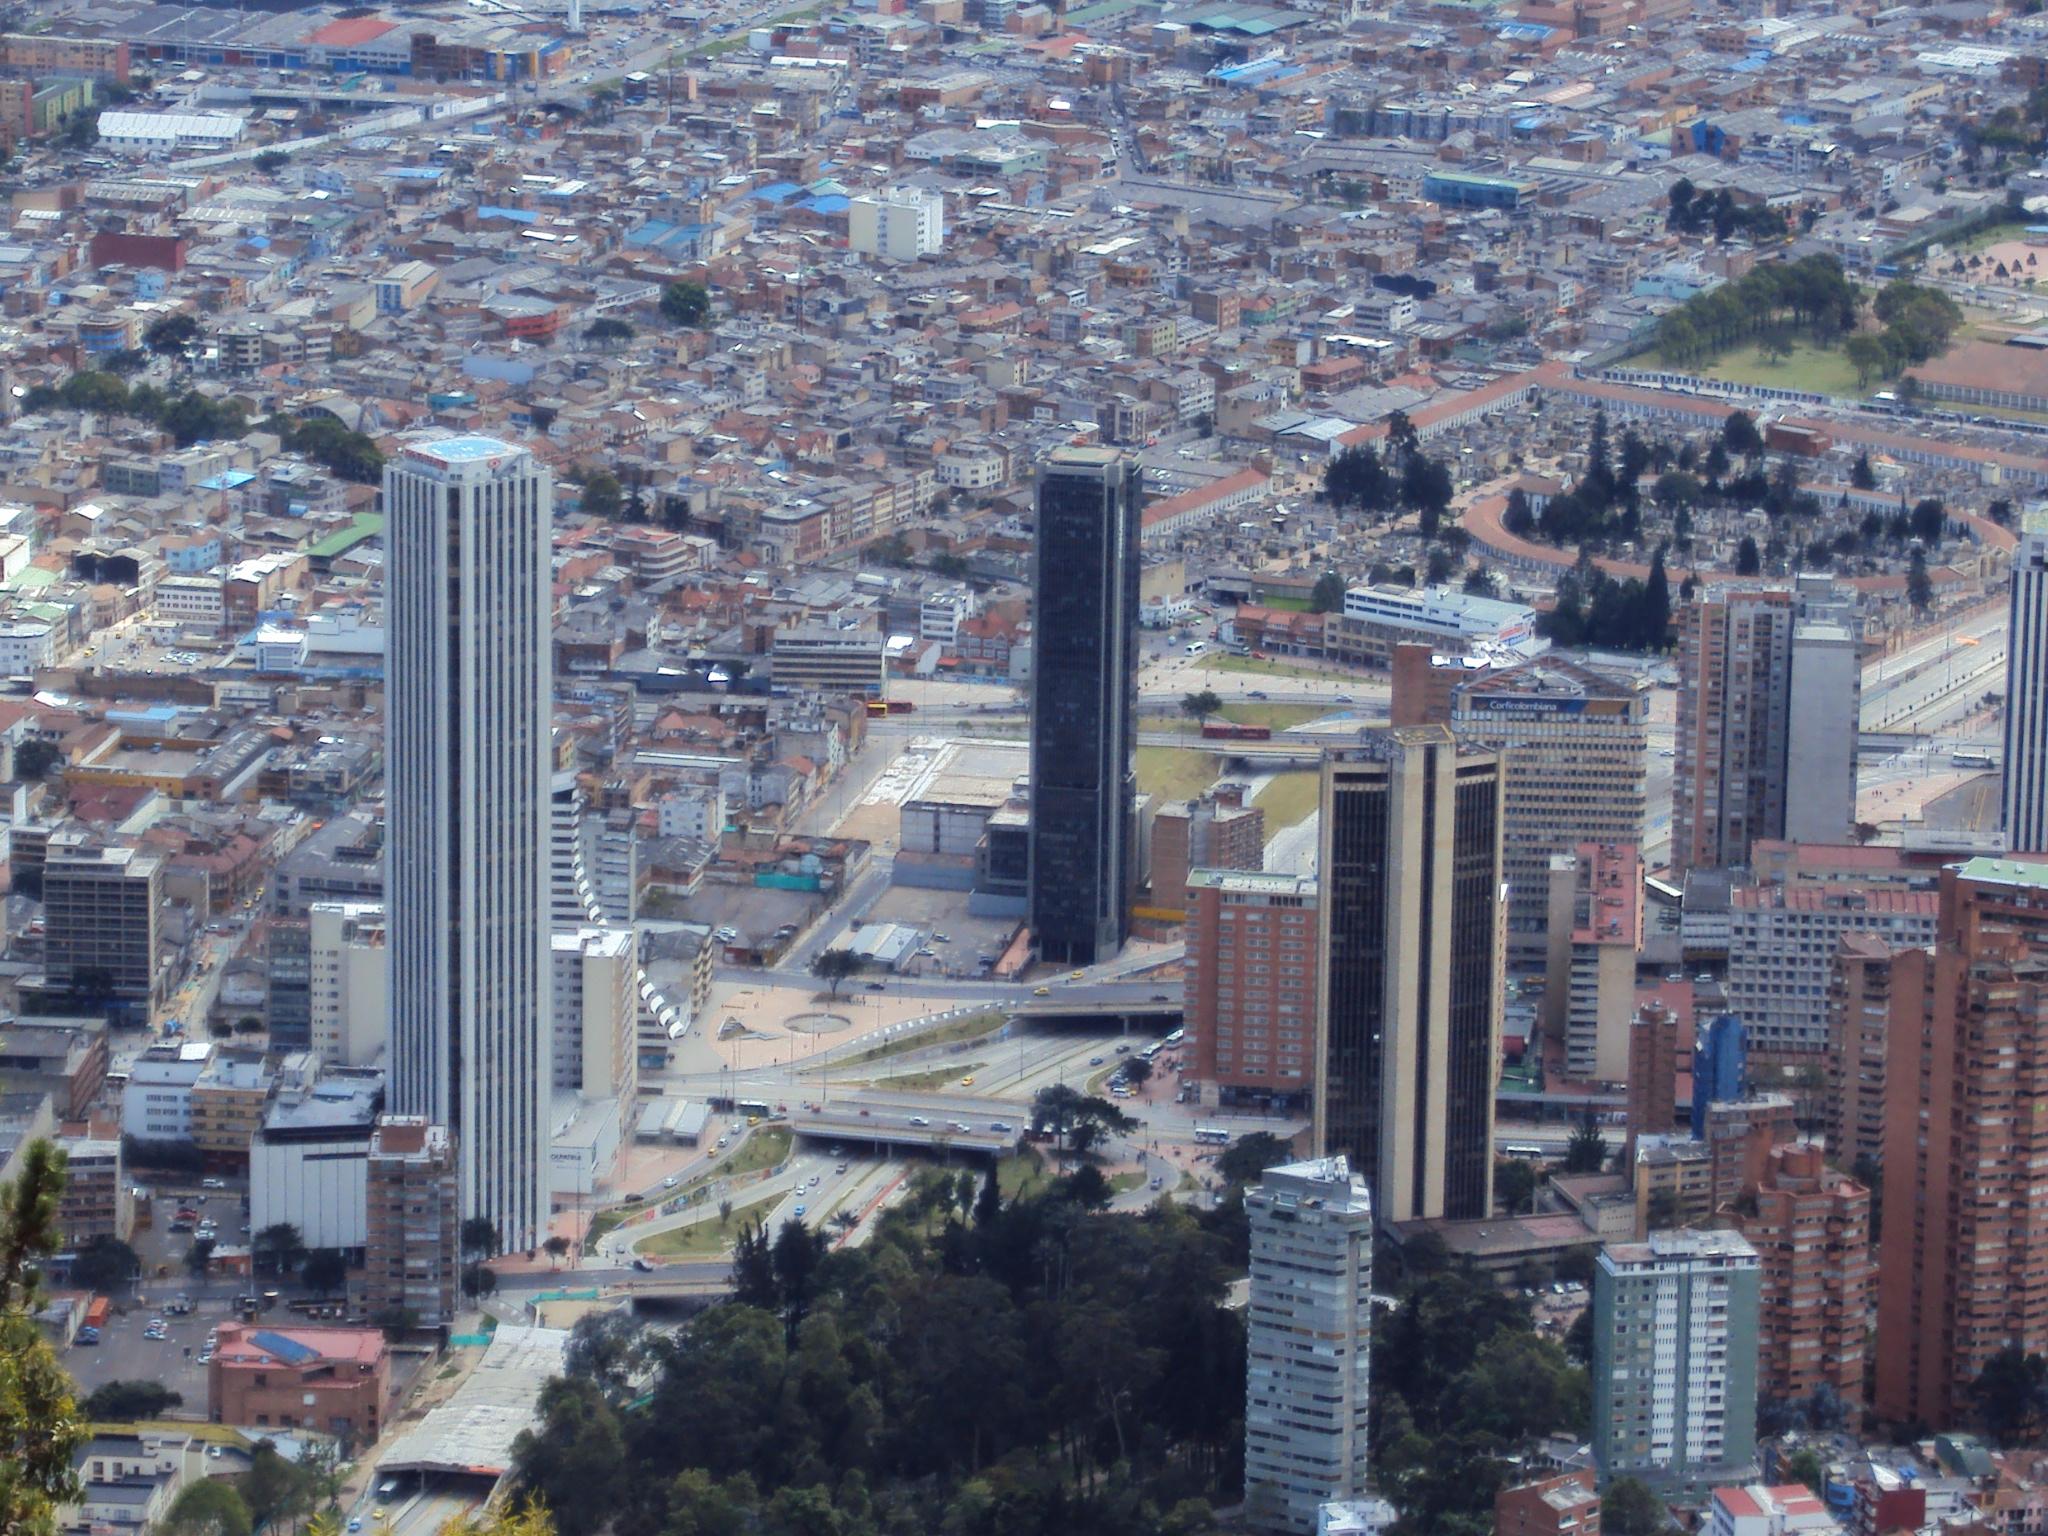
x=942, y=612
x=1781, y=948
x=1309, y=1345
x=901, y=225
x=697, y=810
x=1674, y=1358
x=195, y=600
x=25, y=645
x=156, y=1104
x=349, y=981
x=596, y=1003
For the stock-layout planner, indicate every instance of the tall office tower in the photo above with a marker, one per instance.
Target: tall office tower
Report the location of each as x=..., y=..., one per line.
x=100, y=940
x=1408, y=1020
x=1859, y=1012
x=1963, y=1260
x=414, y=1232
x=1720, y=1067
x=1674, y=1358
x=1251, y=993
x=1576, y=744
x=1308, y=1343
x=1821, y=736
x=1652, y=1076
x=595, y=1006
x=466, y=793
x=2023, y=801
x=1811, y=1230
x=1595, y=933
x=1084, y=703
x=1734, y=722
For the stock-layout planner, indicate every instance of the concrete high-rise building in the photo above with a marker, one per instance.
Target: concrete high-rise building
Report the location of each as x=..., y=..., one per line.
x=1576, y=743
x=1781, y=945
x=1652, y=1076
x=1251, y=993
x=1308, y=1343
x=901, y=225
x=1408, y=1020
x=2023, y=797
x=469, y=683
x=1084, y=706
x=1734, y=726
x=1859, y=1017
x=595, y=1006
x=1595, y=932
x=1674, y=1359
x=414, y=1232
x=349, y=991
x=1811, y=1231
x=100, y=936
x=1825, y=726
x=1963, y=1261
x=1720, y=1066
x=1216, y=830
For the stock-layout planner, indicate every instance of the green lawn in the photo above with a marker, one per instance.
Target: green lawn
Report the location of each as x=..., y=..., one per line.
x=973, y=1027
x=1289, y=800
x=766, y=1147
x=1223, y=661
x=1021, y=1174
x=1128, y=1179
x=1176, y=773
x=1285, y=603
x=1823, y=370
x=924, y=1082
x=702, y=1239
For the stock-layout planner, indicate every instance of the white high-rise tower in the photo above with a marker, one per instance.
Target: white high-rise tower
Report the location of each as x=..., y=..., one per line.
x=468, y=691
x=2023, y=807
x=1309, y=1332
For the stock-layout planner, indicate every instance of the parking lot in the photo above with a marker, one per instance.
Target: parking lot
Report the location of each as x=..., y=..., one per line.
x=123, y=1354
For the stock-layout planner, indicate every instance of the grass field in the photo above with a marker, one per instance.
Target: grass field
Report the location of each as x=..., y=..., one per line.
x=1824, y=371
x=1176, y=773
x=768, y=1146
x=924, y=1082
x=705, y=1239
x=1128, y=1179
x=973, y=1027
x=1289, y=800
x=1021, y=1174
x=1223, y=661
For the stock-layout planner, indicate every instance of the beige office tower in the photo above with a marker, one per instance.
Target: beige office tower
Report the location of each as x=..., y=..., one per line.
x=1576, y=744
x=1409, y=1008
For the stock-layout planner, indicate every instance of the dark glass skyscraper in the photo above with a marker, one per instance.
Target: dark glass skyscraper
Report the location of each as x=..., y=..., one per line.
x=1084, y=704
x=1408, y=1021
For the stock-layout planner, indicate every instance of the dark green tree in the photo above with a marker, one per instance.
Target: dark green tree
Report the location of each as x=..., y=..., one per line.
x=1629, y=1508
x=1328, y=596
x=685, y=304
x=836, y=967
x=1919, y=586
x=1586, y=1152
x=123, y=1402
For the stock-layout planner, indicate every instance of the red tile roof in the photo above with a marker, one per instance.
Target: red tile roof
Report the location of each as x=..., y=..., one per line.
x=351, y=30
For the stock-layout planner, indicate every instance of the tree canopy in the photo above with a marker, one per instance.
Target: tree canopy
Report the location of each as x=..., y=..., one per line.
x=1031, y=1369
x=40, y=1425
